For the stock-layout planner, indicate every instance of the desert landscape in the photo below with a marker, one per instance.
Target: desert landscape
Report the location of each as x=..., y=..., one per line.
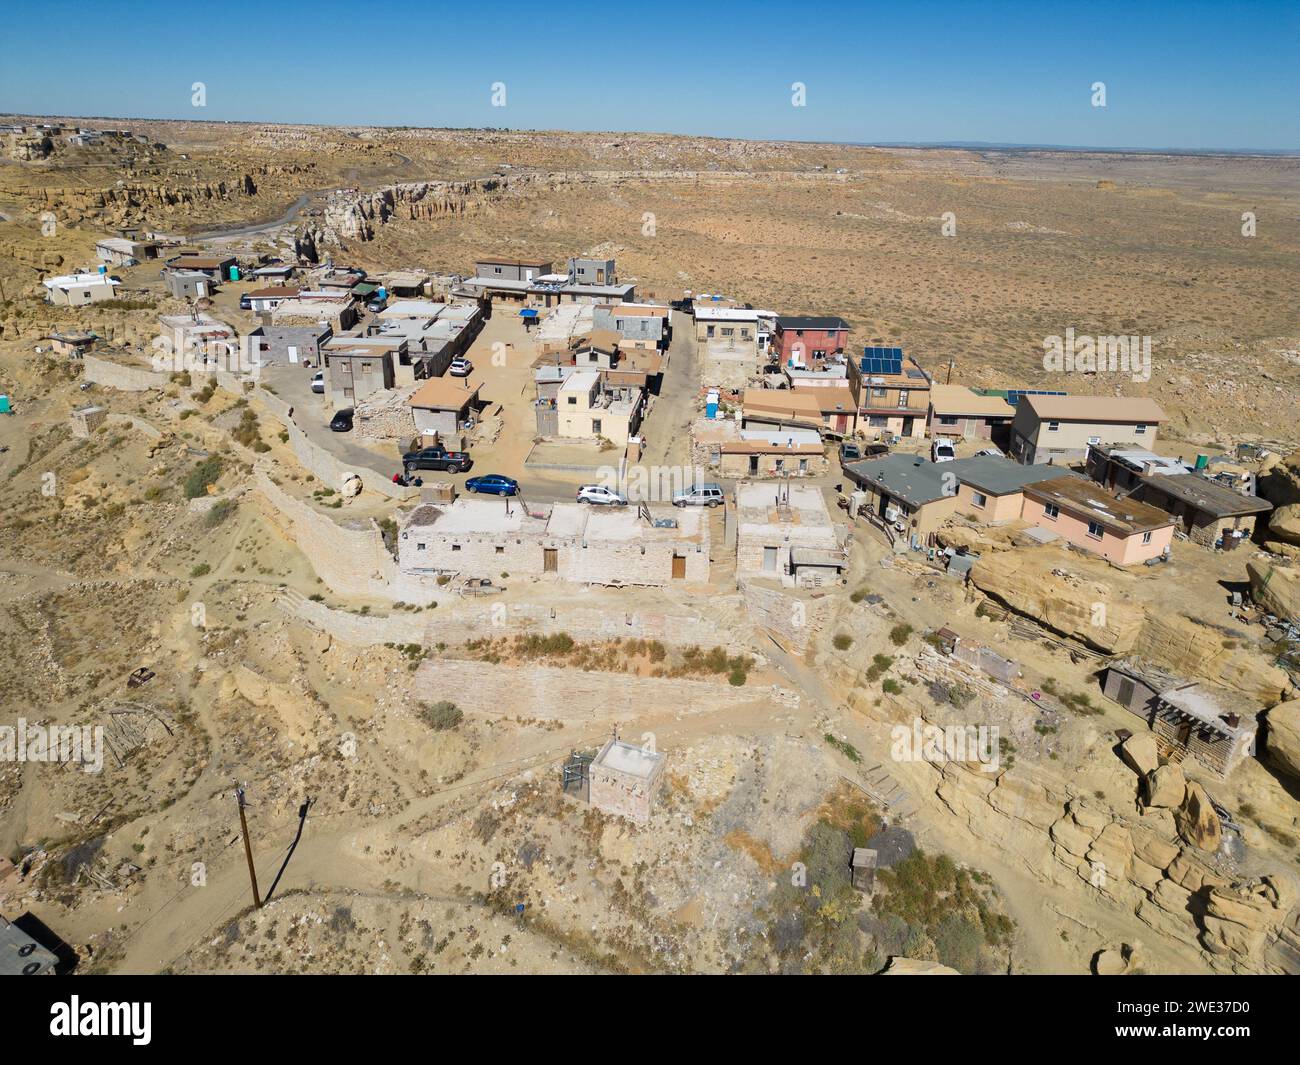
x=417, y=745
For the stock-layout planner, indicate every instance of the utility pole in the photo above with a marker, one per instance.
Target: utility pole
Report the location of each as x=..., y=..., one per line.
x=948, y=381
x=248, y=848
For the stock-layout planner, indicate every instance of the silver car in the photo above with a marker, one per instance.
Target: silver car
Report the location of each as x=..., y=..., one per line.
x=599, y=495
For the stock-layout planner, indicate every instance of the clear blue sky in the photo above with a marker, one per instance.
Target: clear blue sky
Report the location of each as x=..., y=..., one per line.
x=1178, y=74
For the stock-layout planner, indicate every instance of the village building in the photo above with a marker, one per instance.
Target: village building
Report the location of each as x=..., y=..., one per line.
x=990, y=489
x=838, y=411
x=338, y=312
x=623, y=780
x=273, y=274
x=353, y=374
x=512, y=269
x=1189, y=719
x=906, y=494
x=803, y=340
x=407, y=284
x=442, y=404
x=189, y=284
x=586, y=409
x=72, y=344
x=1060, y=429
x=291, y=344
x=781, y=407
x=1210, y=511
x=576, y=543
x=589, y=271
x=216, y=267
x=1085, y=515
x=784, y=533
x=268, y=299
x=122, y=252
x=77, y=290
x=641, y=325
x=892, y=393
x=961, y=413
x=727, y=331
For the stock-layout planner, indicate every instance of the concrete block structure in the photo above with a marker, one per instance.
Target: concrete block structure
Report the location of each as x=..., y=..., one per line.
x=624, y=779
x=567, y=541
x=85, y=420
x=784, y=532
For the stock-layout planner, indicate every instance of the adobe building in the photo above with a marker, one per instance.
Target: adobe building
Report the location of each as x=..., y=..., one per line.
x=623, y=780
x=476, y=538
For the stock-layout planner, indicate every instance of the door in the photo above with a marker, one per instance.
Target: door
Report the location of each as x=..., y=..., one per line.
x=1125, y=694
x=769, y=560
x=907, y=426
x=550, y=560
x=293, y=354
x=679, y=567
x=753, y=463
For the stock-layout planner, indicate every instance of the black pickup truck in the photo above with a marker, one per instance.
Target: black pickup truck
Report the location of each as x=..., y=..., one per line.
x=436, y=458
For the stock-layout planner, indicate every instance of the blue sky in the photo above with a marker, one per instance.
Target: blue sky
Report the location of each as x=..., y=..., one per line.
x=1189, y=75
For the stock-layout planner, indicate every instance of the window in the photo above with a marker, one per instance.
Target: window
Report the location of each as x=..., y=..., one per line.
x=978, y=499
x=455, y=547
x=708, y=332
x=947, y=419
x=1140, y=428
x=595, y=425
x=573, y=401
x=501, y=550
x=419, y=547
x=902, y=397
x=497, y=269
x=1051, y=510
x=1053, y=426
x=727, y=331
x=1095, y=530
x=1146, y=537
x=879, y=393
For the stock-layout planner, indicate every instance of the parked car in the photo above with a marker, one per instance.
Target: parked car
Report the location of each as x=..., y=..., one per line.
x=493, y=484
x=342, y=421
x=943, y=450
x=318, y=382
x=989, y=451
x=702, y=495
x=245, y=304
x=852, y=452
x=599, y=495
x=460, y=368
x=377, y=304
x=436, y=458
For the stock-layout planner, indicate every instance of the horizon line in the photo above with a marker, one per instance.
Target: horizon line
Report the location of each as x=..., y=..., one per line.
x=960, y=145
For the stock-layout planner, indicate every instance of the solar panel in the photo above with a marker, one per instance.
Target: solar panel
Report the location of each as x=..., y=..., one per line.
x=1014, y=394
x=881, y=361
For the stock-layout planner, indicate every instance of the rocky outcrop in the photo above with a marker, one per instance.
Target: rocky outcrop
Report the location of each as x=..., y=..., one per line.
x=1239, y=919
x=1061, y=601
x=1283, y=741
x=1284, y=523
x=1092, y=612
x=1275, y=588
x=1124, y=959
x=1197, y=822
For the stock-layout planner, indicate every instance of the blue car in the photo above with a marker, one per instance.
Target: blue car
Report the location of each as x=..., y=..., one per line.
x=493, y=484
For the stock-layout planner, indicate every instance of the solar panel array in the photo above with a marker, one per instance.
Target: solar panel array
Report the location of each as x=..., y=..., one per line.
x=881, y=361
x=1014, y=394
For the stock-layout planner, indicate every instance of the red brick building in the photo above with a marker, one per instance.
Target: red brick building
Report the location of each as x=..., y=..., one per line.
x=807, y=340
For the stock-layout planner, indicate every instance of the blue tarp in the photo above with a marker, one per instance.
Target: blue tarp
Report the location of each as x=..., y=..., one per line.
x=528, y=312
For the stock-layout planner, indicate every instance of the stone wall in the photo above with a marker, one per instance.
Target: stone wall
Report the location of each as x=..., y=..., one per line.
x=458, y=620
x=121, y=376
x=545, y=692
x=793, y=618
x=350, y=559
